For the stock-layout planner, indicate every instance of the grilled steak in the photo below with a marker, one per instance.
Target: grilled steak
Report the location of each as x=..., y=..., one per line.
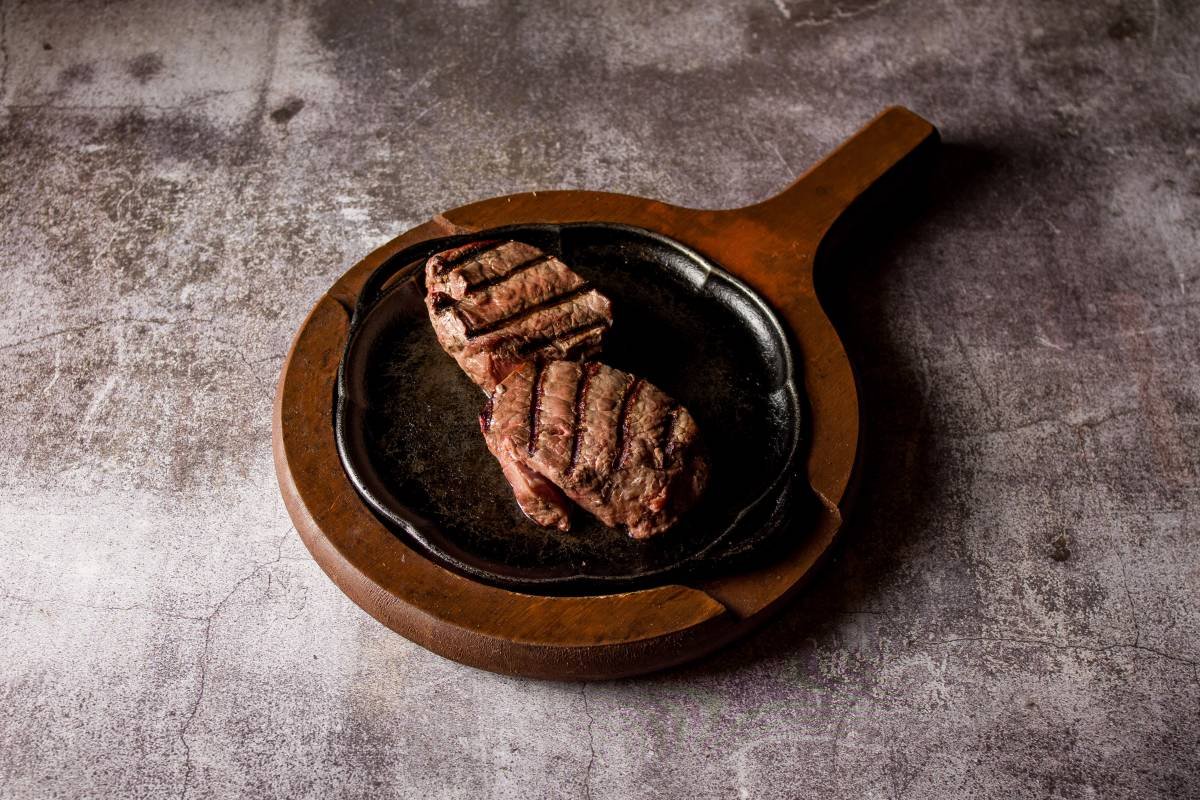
x=495, y=305
x=611, y=442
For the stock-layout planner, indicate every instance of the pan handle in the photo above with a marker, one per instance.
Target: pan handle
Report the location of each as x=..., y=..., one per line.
x=876, y=154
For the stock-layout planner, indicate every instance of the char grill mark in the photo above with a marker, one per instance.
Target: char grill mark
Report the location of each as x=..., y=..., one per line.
x=600, y=435
x=581, y=397
x=533, y=345
x=558, y=300
x=623, y=424
x=535, y=403
x=496, y=280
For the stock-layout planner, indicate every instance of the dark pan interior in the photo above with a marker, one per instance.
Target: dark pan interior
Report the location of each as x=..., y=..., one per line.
x=408, y=433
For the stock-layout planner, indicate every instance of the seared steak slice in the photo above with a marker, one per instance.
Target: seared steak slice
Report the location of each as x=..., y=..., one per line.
x=613, y=443
x=496, y=305
x=540, y=499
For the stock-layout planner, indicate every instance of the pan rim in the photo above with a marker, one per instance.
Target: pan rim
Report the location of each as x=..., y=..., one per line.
x=404, y=265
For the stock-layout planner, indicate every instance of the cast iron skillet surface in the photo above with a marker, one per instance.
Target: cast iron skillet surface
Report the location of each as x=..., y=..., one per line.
x=406, y=418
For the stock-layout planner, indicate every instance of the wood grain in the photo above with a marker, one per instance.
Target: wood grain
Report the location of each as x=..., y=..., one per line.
x=773, y=246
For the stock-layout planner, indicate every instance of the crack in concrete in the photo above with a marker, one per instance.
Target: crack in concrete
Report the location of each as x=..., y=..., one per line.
x=57, y=601
x=102, y=323
x=1066, y=646
x=264, y=87
x=773, y=149
x=900, y=775
x=839, y=731
x=974, y=375
x=1137, y=630
x=208, y=625
x=187, y=749
x=587, y=775
x=839, y=15
x=1089, y=423
x=253, y=130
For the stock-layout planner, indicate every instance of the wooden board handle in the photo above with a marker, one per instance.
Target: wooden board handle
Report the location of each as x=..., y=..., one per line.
x=809, y=207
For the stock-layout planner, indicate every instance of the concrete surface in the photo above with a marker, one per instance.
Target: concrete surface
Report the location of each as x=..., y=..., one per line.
x=1014, y=611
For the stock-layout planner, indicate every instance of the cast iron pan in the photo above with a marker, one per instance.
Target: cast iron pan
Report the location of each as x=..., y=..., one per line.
x=406, y=418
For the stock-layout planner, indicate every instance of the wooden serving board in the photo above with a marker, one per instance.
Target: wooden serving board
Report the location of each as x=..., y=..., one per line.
x=773, y=246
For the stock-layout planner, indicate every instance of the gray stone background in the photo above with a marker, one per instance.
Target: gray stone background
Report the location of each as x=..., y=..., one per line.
x=1013, y=612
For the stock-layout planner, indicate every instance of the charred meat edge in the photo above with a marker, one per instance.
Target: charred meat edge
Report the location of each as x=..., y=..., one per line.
x=467, y=252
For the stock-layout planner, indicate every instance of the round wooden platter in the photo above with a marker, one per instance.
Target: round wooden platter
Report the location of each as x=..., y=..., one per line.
x=772, y=246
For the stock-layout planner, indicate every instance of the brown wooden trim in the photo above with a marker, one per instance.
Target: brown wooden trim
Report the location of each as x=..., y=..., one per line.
x=772, y=246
